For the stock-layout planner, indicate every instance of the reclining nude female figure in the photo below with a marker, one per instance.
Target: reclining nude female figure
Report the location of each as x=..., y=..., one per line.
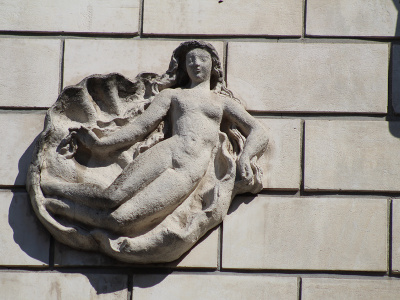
x=159, y=179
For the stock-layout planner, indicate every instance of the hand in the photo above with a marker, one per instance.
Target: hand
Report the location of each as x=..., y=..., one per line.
x=68, y=146
x=245, y=170
x=85, y=136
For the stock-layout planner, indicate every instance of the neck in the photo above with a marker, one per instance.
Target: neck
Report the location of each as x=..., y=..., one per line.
x=204, y=85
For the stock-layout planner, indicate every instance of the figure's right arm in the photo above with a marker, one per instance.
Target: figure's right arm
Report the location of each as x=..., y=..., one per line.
x=133, y=131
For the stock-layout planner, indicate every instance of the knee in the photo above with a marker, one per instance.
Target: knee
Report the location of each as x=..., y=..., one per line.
x=120, y=221
x=49, y=188
x=113, y=199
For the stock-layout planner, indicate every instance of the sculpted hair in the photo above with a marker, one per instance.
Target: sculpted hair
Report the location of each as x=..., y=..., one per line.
x=177, y=76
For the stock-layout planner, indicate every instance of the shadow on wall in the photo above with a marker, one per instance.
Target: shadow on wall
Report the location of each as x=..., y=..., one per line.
x=149, y=280
x=238, y=201
x=396, y=3
x=34, y=239
x=394, y=80
x=28, y=233
x=394, y=70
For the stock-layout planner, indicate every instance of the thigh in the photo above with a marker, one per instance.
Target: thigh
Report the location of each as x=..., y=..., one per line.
x=145, y=168
x=157, y=200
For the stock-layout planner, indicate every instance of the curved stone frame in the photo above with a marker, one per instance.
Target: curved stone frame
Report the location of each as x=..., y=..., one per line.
x=108, y=102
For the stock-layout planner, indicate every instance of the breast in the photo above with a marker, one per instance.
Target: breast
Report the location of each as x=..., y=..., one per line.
x=211, y=111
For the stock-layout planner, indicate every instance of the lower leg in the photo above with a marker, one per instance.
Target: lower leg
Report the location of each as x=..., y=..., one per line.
x=85, y=193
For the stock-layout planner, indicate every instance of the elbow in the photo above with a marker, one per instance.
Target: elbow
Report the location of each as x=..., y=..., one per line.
x=264, y=143
x=261, y=134
x=262, y=138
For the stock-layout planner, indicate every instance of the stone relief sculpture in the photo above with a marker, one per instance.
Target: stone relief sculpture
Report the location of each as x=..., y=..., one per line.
x=141, y=170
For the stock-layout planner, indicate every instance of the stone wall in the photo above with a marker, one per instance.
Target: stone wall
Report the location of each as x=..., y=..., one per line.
x=322, y=75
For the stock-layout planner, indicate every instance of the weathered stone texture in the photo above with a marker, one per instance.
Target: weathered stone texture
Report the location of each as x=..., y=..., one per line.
x=128, y=57
x=207, y=286
x=23, y=240
x=306, y=233
x=355, y=289
x=52, y=285
x=202, y=255
x=120, y=16
x=154, y=206
x=352, y=18
x=352, y=155
x=396, y=236
x=274, y=17
x=281, y=161
x=29, y=71
x=310, y=77
x=18, y=132
x=395, y=57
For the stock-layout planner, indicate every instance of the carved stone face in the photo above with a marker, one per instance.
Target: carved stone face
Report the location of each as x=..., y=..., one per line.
x=198, y=65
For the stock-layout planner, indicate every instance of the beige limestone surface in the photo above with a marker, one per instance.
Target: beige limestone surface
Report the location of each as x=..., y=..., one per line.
x=354, y=289
x=203, y=255
x=213, y=287
x=281, y=162
x=121, y=16
x=103, y=161
x=233, y=17
x=310, y=77
x=29, y=71
x=128, y=57
x=18, y=131
x=396, y=236
x=395, y=58
x=23, y=240
x=352, y=18
x=352, y=155
x=291, y=233
x=53, y=285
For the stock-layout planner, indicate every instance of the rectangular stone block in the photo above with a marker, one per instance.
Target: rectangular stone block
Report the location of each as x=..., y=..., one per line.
x=352, y=155
x=24, y=241
x=395, y=58
x=203, y=255
x=52, y=285
x=396, y=236
x=291, y=233
x=234, y=17
x=18, y=132
x=281, y=162
x=213, y=287
x=355, y=289
x=29, y=71
x=118, y=16
x=310, y=77
x=352, y=18
x=128, y=57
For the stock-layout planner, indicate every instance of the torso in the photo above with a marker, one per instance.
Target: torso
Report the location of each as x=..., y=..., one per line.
x=196, y=117
x=196, y=114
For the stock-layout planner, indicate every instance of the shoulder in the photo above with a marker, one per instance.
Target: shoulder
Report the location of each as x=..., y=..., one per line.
x=165, y=95
x=169, y=94
x=224, y=99
x=230, y=102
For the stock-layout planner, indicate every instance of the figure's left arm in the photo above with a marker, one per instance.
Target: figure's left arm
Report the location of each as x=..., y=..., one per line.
x=251, y=128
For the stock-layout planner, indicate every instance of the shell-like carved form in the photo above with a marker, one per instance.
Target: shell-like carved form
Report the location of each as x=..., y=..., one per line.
x=132, y=202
